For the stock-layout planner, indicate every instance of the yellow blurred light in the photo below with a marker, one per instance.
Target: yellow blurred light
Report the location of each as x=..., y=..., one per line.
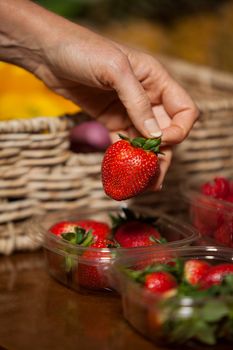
x=22, y=95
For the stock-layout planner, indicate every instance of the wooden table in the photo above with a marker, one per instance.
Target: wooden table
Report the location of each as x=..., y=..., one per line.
x=37, y=313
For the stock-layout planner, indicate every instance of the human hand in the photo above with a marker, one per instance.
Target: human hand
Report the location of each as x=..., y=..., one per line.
x=127, y=90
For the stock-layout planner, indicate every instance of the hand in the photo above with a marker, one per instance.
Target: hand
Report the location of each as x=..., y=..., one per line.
x=127, y=90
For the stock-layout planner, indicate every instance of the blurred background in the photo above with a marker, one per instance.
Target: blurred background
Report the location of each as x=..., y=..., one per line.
x=199, y=31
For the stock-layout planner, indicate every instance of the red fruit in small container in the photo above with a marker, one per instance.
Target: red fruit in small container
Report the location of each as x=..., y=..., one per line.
x=195, y=270
x=209, y=208
x=79, y=253
x=63, y=227
x=137, y=234
x=224, y=234
x=131, y=231
x=100, y=230
x=160, y=282
x=130, y=166
x=90, y=273
x=219, y=189
x=215, y=275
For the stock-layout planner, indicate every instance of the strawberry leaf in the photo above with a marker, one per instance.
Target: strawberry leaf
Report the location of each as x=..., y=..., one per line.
x=138, y=142
x=144, y=143
x=88, y=239
x=214, y=310
x=71, y=237
x=160, y=240
x=69, y=263
x=204, y=332
x=123, y=137
x=152, y=144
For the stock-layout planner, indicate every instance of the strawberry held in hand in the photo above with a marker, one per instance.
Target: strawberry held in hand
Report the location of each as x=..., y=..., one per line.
x=129, y=167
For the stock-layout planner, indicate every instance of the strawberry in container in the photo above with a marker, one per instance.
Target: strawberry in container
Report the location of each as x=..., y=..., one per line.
x=186, y=300
x=211, y=209
x=81, y=247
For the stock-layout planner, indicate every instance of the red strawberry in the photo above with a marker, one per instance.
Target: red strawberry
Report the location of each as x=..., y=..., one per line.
x=230, y=199
x=194, y=270
x=219, y=189
x=129, y=167
x=63, y=227
x=224, y=234
x=207, y=214
x=132, y=231
x=215, y=275
x=91, y=272
x=160, y=282
x=136, y=234
x=98, y=229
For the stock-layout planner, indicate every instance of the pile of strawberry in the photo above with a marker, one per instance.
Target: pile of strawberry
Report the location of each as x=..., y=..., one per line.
x=208, y=291
x=214, y=218
x=127, y=231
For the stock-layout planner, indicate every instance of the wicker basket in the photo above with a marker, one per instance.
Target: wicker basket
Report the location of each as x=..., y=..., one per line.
x=39, y=173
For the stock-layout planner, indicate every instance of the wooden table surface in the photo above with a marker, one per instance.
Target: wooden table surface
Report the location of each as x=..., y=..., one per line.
x=37, y=313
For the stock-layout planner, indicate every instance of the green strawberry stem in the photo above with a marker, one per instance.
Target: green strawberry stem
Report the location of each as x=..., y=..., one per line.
x=88, y=239
x=161, y=240
x=151, y=145
x=80, y=237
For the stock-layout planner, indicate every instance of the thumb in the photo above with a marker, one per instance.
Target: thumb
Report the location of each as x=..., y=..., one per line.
x=135, y=100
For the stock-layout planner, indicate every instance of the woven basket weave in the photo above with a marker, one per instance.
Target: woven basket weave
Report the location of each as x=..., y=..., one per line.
x=39, y=173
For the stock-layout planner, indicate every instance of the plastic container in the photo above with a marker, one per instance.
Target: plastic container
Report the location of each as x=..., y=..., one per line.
x=169, y=321
x=83, y=268
x=213, y=218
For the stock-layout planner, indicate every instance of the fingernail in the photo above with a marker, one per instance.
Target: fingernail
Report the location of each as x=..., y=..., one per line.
x=152, y=127
x=161, y=187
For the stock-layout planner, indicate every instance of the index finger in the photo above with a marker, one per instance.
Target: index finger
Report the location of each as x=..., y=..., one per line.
x=182, y=110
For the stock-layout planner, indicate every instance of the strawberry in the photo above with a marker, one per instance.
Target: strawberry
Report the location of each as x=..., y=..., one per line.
x=215, y=275
x=194, y=270
x=219, y=189
x=90, y=273
x=99, y=230
x=129, y=167
x=160, y=282
x=229, y=198
x=134, y=231
x=62, y=227
x=207, y=214
x=224, y=234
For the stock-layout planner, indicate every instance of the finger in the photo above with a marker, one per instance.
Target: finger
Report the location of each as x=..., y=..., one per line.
x=180, y=107
x=114, y=116
x=135, y=99
x=161, y=116
x=165, y=161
